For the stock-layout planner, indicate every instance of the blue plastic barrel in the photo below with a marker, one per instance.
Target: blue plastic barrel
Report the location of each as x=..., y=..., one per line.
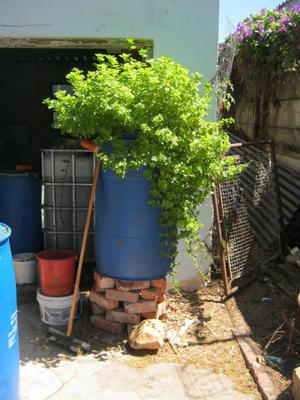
x=127, y=239
x=9, y=348
x=20, y=208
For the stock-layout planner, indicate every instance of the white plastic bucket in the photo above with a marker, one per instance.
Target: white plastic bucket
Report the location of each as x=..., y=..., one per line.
x=25, y=268
x=55, y=310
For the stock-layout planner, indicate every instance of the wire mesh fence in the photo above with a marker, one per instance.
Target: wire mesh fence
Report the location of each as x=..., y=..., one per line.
x=248, y=215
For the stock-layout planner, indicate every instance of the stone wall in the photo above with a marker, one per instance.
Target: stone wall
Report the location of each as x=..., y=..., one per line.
x=290, y=4
x=266, y=109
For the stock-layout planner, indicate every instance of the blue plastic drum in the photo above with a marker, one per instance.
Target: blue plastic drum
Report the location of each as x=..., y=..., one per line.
x=20, y=208
x=9, y=348
x=128, y=233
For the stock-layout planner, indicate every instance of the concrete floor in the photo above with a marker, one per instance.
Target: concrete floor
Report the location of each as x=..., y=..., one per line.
x=49, y=373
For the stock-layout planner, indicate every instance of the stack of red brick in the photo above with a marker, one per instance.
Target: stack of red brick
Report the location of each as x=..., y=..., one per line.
x=117, y=304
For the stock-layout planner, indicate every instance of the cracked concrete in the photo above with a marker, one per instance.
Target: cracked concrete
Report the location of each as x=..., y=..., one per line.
x=48, y=373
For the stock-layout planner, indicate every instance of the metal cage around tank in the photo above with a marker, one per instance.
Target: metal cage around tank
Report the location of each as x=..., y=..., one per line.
x=67, y=176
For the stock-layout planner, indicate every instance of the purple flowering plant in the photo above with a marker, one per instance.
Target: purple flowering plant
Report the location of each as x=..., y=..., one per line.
x=270, y=38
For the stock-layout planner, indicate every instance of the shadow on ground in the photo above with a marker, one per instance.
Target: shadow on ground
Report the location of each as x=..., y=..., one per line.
x=35, y=347
x=273, y=319
x=49, y=372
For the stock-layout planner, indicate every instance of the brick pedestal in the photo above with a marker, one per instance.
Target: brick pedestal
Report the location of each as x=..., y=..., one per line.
x=117, y=305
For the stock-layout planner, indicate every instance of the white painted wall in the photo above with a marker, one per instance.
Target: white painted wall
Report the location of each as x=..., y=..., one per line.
x=186, y=30
x=188, y=277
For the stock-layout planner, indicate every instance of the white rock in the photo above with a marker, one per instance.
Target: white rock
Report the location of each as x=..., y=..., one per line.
x=149, y=335
x=296, y=384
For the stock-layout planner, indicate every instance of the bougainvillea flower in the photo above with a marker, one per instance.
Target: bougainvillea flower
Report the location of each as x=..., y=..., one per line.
x=248, y=32
x=240, y=27
x=262, y=38
x=296, y=8
x=286, y=20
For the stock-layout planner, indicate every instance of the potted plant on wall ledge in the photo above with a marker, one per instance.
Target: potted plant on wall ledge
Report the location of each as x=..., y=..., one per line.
x=160, y=158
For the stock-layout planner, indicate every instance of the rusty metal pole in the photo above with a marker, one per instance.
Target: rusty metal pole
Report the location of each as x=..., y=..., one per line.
x=252, y=143
x=220, y=237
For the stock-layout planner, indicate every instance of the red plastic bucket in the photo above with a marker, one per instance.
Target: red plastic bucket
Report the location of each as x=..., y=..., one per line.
x=56, y=272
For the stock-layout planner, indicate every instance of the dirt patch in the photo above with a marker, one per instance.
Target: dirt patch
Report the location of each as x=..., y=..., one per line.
x=199, y=331
x=268, y=314
x=210, y=342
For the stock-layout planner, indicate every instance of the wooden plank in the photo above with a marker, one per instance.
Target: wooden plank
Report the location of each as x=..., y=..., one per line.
x=73, y=42
x=259, y=372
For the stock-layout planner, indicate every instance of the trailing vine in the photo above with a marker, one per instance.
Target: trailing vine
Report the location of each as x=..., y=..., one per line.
x=158, y=102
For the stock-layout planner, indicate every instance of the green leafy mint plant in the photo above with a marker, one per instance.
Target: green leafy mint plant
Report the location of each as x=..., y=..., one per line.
x=158, y=102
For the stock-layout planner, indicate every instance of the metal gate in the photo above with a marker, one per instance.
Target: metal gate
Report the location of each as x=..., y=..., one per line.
x=248, y=215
